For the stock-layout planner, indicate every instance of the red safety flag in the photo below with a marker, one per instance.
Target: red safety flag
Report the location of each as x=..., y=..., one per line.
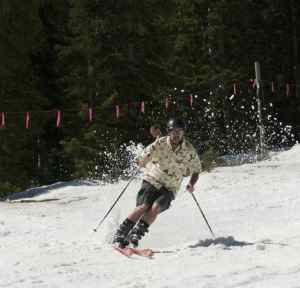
x=27, y=120
x=167, y=103
x=117, y=111
x=234, y=89
x=2, y=120
x=273, y=87
x=288, y=90
x=90, y=114
x=143, y=107
x=58, y=118
x=191, y=98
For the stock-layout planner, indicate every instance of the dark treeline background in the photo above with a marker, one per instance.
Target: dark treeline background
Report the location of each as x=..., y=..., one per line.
x=75, y=54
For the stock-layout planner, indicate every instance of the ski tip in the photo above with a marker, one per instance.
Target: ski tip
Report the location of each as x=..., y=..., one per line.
x=128, y=251
x=124, y=251
x=146, y=252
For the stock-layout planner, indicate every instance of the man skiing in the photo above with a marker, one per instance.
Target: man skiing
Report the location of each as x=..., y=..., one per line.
x=172, y=157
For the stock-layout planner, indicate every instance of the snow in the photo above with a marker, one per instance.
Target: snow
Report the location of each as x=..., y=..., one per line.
x=47, y=237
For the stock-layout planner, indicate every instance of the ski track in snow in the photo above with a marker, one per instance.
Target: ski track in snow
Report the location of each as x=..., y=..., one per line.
x=47, y=237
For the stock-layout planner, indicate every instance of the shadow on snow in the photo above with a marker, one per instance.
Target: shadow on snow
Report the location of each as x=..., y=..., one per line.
x=33, y=192
x=228, y=242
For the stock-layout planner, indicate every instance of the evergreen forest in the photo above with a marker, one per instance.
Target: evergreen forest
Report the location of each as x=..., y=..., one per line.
x=82, y=80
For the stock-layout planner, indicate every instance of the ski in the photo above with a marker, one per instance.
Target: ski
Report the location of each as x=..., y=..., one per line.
x=126, y=251
x=145, y=252
x=129, y=251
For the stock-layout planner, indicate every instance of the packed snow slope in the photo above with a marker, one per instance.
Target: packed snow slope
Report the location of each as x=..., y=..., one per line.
x=47, y=237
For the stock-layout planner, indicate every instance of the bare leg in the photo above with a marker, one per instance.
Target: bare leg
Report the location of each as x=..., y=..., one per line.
x=138, y=212
x=151, y=215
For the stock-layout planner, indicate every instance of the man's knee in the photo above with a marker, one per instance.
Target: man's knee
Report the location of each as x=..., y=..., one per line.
x=155, y=209
x=142, y=208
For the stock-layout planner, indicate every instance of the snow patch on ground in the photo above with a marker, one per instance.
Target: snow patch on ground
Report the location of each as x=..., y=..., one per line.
x=47, y=237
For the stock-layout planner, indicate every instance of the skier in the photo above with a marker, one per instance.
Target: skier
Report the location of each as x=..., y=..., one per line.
x=155, y=131
x=172, y=157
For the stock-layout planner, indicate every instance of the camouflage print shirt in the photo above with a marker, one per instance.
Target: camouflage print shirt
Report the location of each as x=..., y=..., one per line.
x=167, y=167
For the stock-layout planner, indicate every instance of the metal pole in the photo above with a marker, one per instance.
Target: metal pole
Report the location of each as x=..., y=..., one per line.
x=259, y=109
x=195, y=199
x=114, y=204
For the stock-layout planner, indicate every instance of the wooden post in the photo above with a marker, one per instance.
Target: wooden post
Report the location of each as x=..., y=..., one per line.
x=259, y=110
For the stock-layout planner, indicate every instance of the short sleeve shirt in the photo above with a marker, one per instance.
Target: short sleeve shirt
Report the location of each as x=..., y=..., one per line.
x=168, y=166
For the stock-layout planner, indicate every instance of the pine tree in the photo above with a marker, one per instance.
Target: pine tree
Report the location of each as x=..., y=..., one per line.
x=30, y=82
x=121, y=51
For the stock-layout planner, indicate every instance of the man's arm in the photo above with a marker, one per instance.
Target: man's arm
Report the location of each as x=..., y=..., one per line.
x=148, y=153
x=195, y=168
x=143, y=161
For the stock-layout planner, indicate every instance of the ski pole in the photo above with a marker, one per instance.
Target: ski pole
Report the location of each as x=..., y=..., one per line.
x=116, y=201
x=212, y=233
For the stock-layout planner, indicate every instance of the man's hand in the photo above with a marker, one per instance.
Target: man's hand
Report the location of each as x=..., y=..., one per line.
x=143, y=162
x=190, y=188
x=193, y=180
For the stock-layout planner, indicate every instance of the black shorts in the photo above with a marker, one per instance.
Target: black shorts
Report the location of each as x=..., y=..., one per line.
x=148, y=194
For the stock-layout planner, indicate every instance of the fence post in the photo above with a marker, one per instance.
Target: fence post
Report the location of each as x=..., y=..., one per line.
x=259, y=109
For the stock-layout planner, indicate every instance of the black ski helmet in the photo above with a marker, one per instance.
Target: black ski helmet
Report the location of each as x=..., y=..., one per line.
x=175, y=124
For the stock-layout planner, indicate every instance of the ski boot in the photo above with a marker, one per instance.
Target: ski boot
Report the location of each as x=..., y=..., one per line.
x=120, y=237
x=138, y=232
